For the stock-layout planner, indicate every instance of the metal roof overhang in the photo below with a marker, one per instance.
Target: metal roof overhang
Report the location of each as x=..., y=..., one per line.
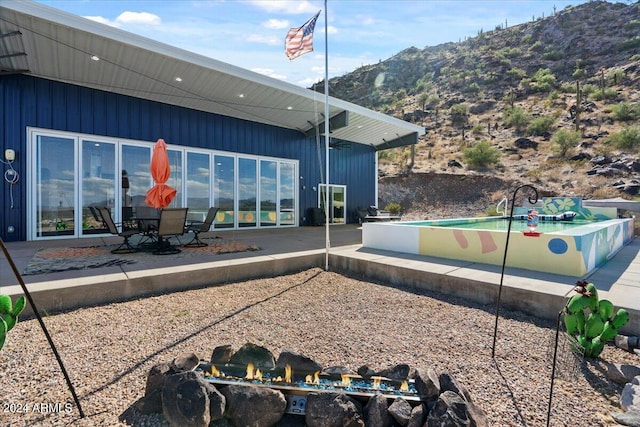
x=45, y=42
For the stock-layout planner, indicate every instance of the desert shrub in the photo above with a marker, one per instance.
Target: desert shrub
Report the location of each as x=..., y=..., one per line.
x=537, y=46
x=540, y=125
x=608, y=93
x=563, y=141
x=473, y=88
x=579, y=74
x=515, y=117
x=459, y=114
x=624, y=111
x=627, y=138
x=517, y=72
x=635, y=57
x=632, y=43
x=634, y=24
x=481, y=155
x=590, y=89
x=616, y=77
x=552, y=55
x=394, y=208
x=568, y=88
x=543, y=80
x=477, y=129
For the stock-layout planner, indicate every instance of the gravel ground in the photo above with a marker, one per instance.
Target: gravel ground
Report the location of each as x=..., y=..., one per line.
x=336, y=320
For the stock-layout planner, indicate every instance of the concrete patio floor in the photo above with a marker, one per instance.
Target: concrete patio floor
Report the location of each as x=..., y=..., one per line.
x=293, y=249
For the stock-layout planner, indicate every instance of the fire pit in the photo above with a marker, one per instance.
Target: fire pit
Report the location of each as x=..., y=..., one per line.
x=251, y=387
x=296, y=387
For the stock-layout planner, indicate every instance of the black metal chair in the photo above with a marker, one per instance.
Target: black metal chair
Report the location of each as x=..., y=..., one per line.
x=171, y=224
x=147, y=219
x=197, y=227
x=125, y=247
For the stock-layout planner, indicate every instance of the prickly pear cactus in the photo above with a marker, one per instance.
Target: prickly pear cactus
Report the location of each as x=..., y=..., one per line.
x=592, y=321
x=9, y=315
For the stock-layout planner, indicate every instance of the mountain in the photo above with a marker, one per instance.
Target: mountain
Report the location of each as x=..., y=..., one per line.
x=555, y=100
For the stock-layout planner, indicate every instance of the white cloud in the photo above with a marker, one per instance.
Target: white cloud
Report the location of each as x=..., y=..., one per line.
x=139, y=18
x=102, y=20
x=276, y=24
x=286, y=6
x=269, y=73
x=265, y=39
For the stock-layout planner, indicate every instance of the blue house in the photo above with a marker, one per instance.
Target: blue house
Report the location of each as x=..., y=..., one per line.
x=82, y=105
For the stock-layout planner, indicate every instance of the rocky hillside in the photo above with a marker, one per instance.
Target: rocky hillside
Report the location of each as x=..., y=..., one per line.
x=554, y=102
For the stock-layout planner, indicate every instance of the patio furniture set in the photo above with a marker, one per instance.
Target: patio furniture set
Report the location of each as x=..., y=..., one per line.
x=155, y=227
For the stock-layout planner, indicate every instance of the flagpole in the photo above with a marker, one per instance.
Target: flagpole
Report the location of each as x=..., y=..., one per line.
x=326, y=135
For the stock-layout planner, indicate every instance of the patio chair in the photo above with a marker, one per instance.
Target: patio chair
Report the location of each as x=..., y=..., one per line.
x=171, y=224
x=197, y=227
x=147, y=219
x=125, y=247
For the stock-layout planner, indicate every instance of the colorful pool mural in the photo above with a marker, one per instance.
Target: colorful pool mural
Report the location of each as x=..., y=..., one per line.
x=576, y=251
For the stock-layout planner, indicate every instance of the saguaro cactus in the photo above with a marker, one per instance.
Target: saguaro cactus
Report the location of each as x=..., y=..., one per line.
x=9, y=315
x=591, y=320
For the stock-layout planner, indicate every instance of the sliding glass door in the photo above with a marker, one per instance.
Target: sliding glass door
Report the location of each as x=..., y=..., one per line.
x=55, y=186
x=98, y=165
x=70, y=174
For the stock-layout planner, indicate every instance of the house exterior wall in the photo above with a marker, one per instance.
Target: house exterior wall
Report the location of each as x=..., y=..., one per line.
x=27, y=101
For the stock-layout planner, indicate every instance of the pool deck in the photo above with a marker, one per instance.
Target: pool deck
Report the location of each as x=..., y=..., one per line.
x=290, y=250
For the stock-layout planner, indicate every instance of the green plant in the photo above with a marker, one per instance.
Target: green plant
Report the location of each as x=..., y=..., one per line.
x=591, y=320
x=543, y=80
x=625, y=111
x=626, y=138
x=563, y=141
x=393, y=208
x=481, y=155
x=515, y=117
x=540, y=125
x=9, y=315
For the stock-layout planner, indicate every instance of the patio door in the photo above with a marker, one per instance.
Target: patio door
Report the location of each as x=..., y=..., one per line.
x=337, y=202
x=56, y=187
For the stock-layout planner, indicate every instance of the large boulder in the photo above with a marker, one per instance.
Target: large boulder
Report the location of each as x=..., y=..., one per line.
x=248, y=405
x=376, y=412
x=186, y=401
x=400, y=410
x=152, y=400
x=298, y=362
x=450, y=411
x=329, y=409
x=427, y=383
x=252, y=353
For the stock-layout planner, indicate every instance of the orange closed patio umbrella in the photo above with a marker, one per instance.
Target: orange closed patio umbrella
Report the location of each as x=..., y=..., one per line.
x=160, y=195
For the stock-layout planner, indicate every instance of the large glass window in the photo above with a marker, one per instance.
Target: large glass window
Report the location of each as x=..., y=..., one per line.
x=224, y=191
x=198, y=185
x=337, y=202
x=55, y=186
x=268, y=193
x=98, y=182
x=175, y=179
x=287, y=193
x=247, y=192
x=72, y=173
x=136, y=178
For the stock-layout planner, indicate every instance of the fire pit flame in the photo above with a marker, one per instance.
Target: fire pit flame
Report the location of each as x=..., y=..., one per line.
x=288, y=372
x=313, y=380
x=376, y=382
x=214, y=372
x=249, y=375
x=405, y=386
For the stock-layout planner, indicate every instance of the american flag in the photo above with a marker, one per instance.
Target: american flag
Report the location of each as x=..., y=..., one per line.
x=299, y=40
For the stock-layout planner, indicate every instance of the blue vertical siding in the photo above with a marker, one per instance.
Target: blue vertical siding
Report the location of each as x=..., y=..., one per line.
x=28, y=101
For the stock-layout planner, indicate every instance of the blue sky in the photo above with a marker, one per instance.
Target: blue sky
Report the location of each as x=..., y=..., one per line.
x=250, y=33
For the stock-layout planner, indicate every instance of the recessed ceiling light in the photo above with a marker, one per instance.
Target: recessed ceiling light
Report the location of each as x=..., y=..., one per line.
x=241, y=95
x=289, y=107
x=95, y=58
x=178, y=79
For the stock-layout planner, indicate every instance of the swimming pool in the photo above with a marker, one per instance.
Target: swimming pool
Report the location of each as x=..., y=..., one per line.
x=573, y=248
